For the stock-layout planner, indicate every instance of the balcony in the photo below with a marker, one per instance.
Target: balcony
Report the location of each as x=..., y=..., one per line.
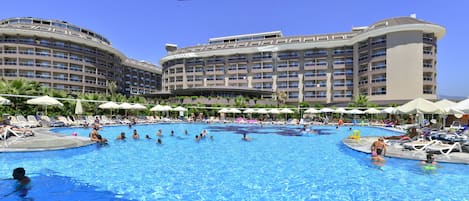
x=293, y=55
x=263, y=57
x=315, y=54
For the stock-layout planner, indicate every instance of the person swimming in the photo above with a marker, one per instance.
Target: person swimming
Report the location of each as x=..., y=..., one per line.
x=24, y=182
x=121, y=136
x=159, y=141
x=245, y=137
x=135, y=135
x=430, y=160
x=147, y=137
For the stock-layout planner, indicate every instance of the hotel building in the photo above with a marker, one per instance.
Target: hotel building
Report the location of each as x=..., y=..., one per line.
x=390, y=60
x=63, y=56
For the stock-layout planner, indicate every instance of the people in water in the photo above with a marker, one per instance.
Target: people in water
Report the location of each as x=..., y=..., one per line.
x=96, y=137
x=121, y=136
x=197, y=139
x=172, y=133
x=159, y=133
x=378, y=150
x=430, y=160
x=135, y=135
x=19, y=174
x=147, y=137
x=245, y=137
x=185, y=132
x=159, y=141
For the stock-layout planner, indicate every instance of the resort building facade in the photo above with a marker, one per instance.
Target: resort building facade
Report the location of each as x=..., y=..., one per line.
x=63, y=56
x=390, y=60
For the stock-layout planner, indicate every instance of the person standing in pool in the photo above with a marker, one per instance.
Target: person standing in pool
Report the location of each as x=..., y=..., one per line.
x=24, y=182
x=245, y=138
x=121, y=136
x=430, y=160
x=378, y=150
x=135, y=135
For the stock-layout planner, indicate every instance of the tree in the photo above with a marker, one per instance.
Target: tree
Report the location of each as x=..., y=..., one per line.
x=112, y=87
x=360, y=101
x=281, y=97
x=240, y=101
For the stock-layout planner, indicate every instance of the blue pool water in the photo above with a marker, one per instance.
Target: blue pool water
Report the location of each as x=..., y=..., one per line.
x=275, y=165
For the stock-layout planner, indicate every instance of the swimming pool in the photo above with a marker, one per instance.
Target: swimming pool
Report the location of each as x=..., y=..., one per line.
x=273, y=166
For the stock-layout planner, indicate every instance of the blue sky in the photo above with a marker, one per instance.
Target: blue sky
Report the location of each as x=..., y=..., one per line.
x=141, y=28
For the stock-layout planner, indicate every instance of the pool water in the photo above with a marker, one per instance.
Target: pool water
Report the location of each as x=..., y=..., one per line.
x=275, y=165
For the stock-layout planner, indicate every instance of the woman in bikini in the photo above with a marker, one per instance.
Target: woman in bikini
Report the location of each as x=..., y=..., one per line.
x=378, y=150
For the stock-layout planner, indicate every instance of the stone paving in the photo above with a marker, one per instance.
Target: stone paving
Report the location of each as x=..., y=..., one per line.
x=42, y=140
x=396, y=150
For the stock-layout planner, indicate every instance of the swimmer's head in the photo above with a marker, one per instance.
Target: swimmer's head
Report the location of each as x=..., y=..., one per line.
x=18, y=173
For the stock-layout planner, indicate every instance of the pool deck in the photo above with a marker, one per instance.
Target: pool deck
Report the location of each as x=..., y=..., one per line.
x=398, y=151
x=43, y=140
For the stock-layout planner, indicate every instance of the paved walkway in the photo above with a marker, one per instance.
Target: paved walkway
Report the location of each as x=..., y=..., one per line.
x=397, y=151
x=42, y=140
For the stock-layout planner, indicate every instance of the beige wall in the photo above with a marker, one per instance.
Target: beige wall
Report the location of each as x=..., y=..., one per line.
x=404, y=71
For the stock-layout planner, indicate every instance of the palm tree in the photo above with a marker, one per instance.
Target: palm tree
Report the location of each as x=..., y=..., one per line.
x=240, y=101
x=281, y=97
x=360, y=101
x=112, y=87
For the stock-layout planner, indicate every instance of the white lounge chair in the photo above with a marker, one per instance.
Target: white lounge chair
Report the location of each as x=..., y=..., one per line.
x=24, y=121
x=456, y=126
x=419, y=144
x=445, y=149
x=32, y=120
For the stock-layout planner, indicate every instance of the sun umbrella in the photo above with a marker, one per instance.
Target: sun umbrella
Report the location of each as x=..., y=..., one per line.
x=125, y=106
x=419, y=105
x=311, y=111
x=4, y=101
x=167, y=108
x=286, y=111
x=326, y=109
x=462, y=106
x=223, y=110
x=355, y=111
x=449, y=108
x=274, y=111
x=156, y=108
x=262, y=111
x=78, y=108
x=372, y=111
x=109, y=105
x=179, y=109
x=389, y=110
x=233, y=110
x=138, y=106
x=44, y=100
x=340, y=110
x=249, y=111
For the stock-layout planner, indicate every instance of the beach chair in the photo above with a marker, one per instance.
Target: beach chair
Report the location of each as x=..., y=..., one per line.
x=444, y=149
x=456, y=126
x=24, y=121
x=32, y=120
x=419, y=144
x=64, y=119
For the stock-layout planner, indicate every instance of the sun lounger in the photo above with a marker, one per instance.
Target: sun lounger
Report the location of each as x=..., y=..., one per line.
x=418, y=145
x=32, y=120
x=445, y=149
